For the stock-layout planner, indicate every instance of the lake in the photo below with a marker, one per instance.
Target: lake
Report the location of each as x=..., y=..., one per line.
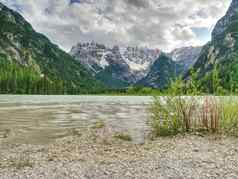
x=33, y=119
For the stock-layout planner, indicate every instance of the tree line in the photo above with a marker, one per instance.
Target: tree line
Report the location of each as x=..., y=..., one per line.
x=15, y=79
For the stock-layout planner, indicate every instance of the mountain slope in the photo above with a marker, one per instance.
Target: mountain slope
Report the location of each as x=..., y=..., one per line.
x=162, y=72
x=118, y=66
x=22, y=49
x=186, y=56
x=221, y=54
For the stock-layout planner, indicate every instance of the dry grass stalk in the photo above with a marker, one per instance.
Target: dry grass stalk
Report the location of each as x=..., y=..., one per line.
x=172, y=115
x=211, y=112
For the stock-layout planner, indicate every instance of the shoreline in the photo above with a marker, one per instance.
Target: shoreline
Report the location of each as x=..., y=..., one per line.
x=96, y=153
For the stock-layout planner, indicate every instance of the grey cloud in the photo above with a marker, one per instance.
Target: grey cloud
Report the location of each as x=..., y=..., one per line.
x=164, y=24
x=138, y=3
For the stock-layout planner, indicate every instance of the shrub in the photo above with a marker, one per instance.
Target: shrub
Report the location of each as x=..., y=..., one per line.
x=209, y=114
x=176, y=114
x=229, y=120
x=171, y=115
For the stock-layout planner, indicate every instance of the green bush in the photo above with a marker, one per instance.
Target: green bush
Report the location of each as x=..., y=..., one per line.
x=229, y=120
x=176, y=114
x=171, y=115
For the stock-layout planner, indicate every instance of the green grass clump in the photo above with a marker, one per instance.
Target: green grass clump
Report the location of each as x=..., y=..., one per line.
x=173, y=115
x=229, y=120
x=123, y=136
x=99, y=124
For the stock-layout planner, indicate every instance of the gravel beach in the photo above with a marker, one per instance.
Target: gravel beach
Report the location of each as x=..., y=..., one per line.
x=95, y=154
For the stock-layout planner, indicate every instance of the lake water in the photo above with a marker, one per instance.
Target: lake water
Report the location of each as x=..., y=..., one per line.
x=42, y=119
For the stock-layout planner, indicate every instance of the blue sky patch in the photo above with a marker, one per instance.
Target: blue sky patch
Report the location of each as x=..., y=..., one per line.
x=74, y=1
x=204, y=34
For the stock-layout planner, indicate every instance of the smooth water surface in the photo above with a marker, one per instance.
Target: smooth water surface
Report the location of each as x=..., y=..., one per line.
x=42, y=119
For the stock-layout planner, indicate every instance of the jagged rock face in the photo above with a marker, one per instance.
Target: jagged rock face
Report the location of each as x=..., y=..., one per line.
x=92, y=56
x=222, y=51
x=126, y=64
x=186, y=56
x=10, y=39
x=227, y=20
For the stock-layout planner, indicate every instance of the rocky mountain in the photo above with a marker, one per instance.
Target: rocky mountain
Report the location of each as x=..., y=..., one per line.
x=117, y=66
x=162, y=72
x=221, y=54
x=227, y=21
x=30, y=63
x=185, y=56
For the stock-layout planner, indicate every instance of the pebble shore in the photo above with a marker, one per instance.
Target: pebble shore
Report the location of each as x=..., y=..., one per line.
x=91, y=155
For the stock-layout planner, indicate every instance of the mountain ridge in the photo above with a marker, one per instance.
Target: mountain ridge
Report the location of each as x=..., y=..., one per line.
x=220, y=54
x=162, y=73
x=130, y=65
x=126, y=64
x=186, y=56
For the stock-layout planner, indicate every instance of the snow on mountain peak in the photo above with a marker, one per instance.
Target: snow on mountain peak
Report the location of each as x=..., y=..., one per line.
x=185, y=56
x=96, y=57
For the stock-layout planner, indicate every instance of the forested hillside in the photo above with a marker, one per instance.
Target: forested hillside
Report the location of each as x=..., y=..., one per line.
x=30, y=63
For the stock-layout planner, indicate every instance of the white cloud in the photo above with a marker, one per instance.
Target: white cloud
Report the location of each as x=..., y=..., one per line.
x=164, y=24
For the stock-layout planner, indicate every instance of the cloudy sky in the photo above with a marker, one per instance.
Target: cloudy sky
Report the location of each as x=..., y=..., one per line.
x=163, y=24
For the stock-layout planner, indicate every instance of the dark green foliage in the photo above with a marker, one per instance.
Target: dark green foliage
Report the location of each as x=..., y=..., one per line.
x=217, y=65
x=162, y=72
x=177, y=87
x=138, y=90
x=23, y=80
x=193, y=86
x=111, y=82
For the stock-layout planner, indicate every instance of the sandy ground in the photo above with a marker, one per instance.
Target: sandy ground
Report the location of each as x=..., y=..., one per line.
x=94, y=154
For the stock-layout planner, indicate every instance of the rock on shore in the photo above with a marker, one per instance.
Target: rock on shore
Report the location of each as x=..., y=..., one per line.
x=88, y=156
